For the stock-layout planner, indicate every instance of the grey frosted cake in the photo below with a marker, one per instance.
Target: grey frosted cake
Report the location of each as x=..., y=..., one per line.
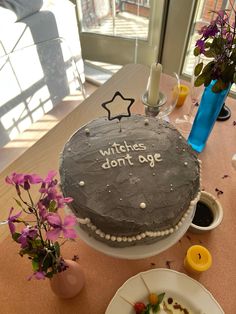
x=132, y=186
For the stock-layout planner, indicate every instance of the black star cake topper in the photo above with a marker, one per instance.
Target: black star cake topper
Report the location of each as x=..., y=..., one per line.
x=110, y=104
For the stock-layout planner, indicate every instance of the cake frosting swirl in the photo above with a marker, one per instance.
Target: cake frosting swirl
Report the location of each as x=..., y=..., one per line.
x=131, y=186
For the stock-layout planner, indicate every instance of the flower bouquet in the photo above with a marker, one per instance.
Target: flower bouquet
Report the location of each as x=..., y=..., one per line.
x=43, y=231
x=217, y=42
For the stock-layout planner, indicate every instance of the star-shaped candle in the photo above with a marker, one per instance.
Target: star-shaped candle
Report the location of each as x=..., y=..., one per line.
x=111, y=106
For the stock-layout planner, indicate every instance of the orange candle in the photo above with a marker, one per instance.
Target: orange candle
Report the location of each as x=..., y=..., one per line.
x=183, y=93
x=198, y=259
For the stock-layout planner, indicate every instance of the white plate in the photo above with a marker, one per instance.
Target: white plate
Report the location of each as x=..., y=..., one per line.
x=177, y=285
x=138, y=251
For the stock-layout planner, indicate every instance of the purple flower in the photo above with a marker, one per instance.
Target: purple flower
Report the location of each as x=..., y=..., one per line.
x=28, y=233
x=210, y=30
x=38, y=275
x=201, y=45
x=12, y=219
x=55, y=222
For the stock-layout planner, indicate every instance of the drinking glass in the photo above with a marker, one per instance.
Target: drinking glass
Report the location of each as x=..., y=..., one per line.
x=169, y=93
x=185, y=122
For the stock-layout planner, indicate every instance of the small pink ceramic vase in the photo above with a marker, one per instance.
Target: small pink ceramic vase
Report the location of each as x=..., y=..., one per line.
x=67, y=284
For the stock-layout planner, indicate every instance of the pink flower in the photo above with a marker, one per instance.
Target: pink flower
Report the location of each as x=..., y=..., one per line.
x=55, y=222
x=12, y=219
x=28, y=233
x=48, y=182
x=43, y=213
x=51, y=174
x=23, y=180
x=38, y=275
x=15, y=178
x=61, y=201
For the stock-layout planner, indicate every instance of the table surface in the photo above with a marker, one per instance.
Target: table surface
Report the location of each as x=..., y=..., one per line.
x=104, y=274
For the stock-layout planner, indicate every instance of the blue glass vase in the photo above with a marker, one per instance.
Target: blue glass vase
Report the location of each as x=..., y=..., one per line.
x=208, y=111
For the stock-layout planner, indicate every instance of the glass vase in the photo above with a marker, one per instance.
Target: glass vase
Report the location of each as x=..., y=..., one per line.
x=208, y=111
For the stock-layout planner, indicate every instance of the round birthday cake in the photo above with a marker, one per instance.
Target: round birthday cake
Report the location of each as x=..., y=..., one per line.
x=132, y=182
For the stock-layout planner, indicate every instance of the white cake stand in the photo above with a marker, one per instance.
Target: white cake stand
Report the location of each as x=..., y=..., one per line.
x=138, y=251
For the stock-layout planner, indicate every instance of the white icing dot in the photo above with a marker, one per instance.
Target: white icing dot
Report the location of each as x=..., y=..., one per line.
x=107, y=236
x=93, y=227
x=171, y=189
x=109, y=191
x=119, y=239
x=185, y=163
x=171, y=230
x=146, y=121
x=166, y=232
x=133, y=238
x=120, y=199
x=143, y=235
x=158, y=233
x=102, y=235
x=138, y=237
x=180, y=137
x=98, y=231
x=180, y=223
x=130, y=174
x=87, y=131
x=113, y=238
x=81, y=183
x=130, y=239
x=142, y=205
x=171, y=184
x=69, y=149
x=176, y=227
x=183, y=149
x=153, y=174
x=162, y=233
x=124, y=239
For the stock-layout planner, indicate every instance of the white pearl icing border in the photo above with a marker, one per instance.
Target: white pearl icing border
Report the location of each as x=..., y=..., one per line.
x=146, y=234
x=138, y=237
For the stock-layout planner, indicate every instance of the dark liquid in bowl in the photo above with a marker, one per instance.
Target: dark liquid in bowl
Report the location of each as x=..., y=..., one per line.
x=203, y=216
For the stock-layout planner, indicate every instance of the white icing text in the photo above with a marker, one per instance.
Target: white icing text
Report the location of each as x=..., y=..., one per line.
x=127, y=159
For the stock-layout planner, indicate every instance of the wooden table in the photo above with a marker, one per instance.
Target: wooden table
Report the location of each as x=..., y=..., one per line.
x=104, y=274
